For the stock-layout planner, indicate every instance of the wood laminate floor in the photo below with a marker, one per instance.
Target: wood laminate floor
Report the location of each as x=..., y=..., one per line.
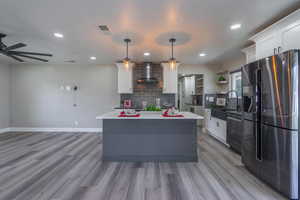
x=56, y=166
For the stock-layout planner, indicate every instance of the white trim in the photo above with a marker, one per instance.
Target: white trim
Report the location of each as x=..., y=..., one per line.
x=4, y=130
x=274, y=25
x=29, y=129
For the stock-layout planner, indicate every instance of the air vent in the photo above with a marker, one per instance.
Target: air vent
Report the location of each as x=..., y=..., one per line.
x=104, y=28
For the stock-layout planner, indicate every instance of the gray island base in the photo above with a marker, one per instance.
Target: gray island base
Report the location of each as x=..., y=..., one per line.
x=150, y=138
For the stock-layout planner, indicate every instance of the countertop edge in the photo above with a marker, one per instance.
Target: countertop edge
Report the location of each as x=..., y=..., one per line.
x=113, y=116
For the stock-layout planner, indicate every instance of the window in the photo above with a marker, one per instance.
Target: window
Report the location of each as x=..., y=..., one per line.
x=236, y=84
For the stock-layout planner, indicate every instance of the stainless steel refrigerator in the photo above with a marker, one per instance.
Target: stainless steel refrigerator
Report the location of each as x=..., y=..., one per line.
x=270, y=120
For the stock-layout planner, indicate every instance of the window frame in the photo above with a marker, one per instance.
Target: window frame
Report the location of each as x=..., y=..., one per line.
x=232, y=82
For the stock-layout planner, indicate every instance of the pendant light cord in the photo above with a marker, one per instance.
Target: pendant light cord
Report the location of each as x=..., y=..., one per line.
x=172, y=40
x=172, y=49
x=127, y=40
x=126, y=49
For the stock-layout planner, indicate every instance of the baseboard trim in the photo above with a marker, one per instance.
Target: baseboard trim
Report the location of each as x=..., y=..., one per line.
x=4, y=130
x=150, y=158
x=29, y=129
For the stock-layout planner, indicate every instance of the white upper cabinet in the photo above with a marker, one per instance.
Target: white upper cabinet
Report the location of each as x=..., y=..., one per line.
x=250, y=53
x=290, y=37
x=279, y=37
x=267, y=46
x=125, y=82
x=170, y=78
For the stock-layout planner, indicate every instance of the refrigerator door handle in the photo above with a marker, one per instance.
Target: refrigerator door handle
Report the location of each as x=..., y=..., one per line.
x=279, y=49
x=258, y=130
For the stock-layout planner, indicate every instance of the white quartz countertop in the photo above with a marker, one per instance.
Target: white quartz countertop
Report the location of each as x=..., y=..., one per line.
x=149, y=115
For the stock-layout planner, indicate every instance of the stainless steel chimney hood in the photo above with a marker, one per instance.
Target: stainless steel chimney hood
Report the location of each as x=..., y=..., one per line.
x=147, y=75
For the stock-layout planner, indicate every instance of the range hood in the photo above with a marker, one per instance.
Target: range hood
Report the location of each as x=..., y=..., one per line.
x=147, y=75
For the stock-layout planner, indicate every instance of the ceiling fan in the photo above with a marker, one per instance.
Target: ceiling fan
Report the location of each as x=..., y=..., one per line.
x=10, y=51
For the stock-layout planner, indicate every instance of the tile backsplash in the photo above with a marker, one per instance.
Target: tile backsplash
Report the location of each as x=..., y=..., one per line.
x=137, y=99
x=139, y=72
x=148, y=92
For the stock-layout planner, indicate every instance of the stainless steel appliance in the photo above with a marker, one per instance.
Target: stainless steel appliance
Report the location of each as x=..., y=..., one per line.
x=270, y=120
x=147, y=75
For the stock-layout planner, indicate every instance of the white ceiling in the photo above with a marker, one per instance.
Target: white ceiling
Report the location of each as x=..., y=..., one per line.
x=200, y=25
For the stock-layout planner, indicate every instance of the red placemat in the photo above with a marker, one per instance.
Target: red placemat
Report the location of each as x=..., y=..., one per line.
x=123, y=115
x=164, y=115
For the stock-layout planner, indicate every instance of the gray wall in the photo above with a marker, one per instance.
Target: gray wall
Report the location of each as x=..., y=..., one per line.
x=39, y=101
x=4, y=96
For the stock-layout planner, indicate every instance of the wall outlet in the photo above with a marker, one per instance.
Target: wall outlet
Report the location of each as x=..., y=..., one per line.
x=76, y=123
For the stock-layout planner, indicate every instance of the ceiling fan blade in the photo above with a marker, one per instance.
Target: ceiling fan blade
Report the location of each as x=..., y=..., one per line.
x=30, y=53
x=14, y=57
x=15, y=46
x=2, y=45
x=34, y=58
x=2, y=35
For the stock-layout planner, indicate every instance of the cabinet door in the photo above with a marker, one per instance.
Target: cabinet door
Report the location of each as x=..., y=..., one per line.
x=250, y=53
x=222, y=130
x=207, y=117
x=170, y=79
x=234, y=133
x=217, y=128
x=211, y=125
x=265, y=46
x=290, y=37
x=125, y=78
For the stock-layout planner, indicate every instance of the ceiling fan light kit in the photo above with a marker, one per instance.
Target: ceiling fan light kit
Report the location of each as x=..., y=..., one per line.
x=10, y=51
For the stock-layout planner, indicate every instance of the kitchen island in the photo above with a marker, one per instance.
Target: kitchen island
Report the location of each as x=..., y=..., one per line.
x=150, y=137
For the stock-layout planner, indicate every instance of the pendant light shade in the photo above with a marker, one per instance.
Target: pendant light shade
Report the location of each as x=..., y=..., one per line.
x=126, y=60
x=172, y=60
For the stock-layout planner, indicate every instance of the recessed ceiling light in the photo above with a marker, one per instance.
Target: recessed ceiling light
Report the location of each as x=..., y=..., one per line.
x=202, y=54
x=93, y=58
x=58, y=35
x=146, y=54
x=235, y=26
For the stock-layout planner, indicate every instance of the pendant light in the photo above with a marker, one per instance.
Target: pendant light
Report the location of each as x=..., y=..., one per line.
x=126, y=60
x=172, y=60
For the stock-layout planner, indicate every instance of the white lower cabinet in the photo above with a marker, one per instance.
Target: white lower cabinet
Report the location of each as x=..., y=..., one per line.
x=207, y=115
x=216, y=127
